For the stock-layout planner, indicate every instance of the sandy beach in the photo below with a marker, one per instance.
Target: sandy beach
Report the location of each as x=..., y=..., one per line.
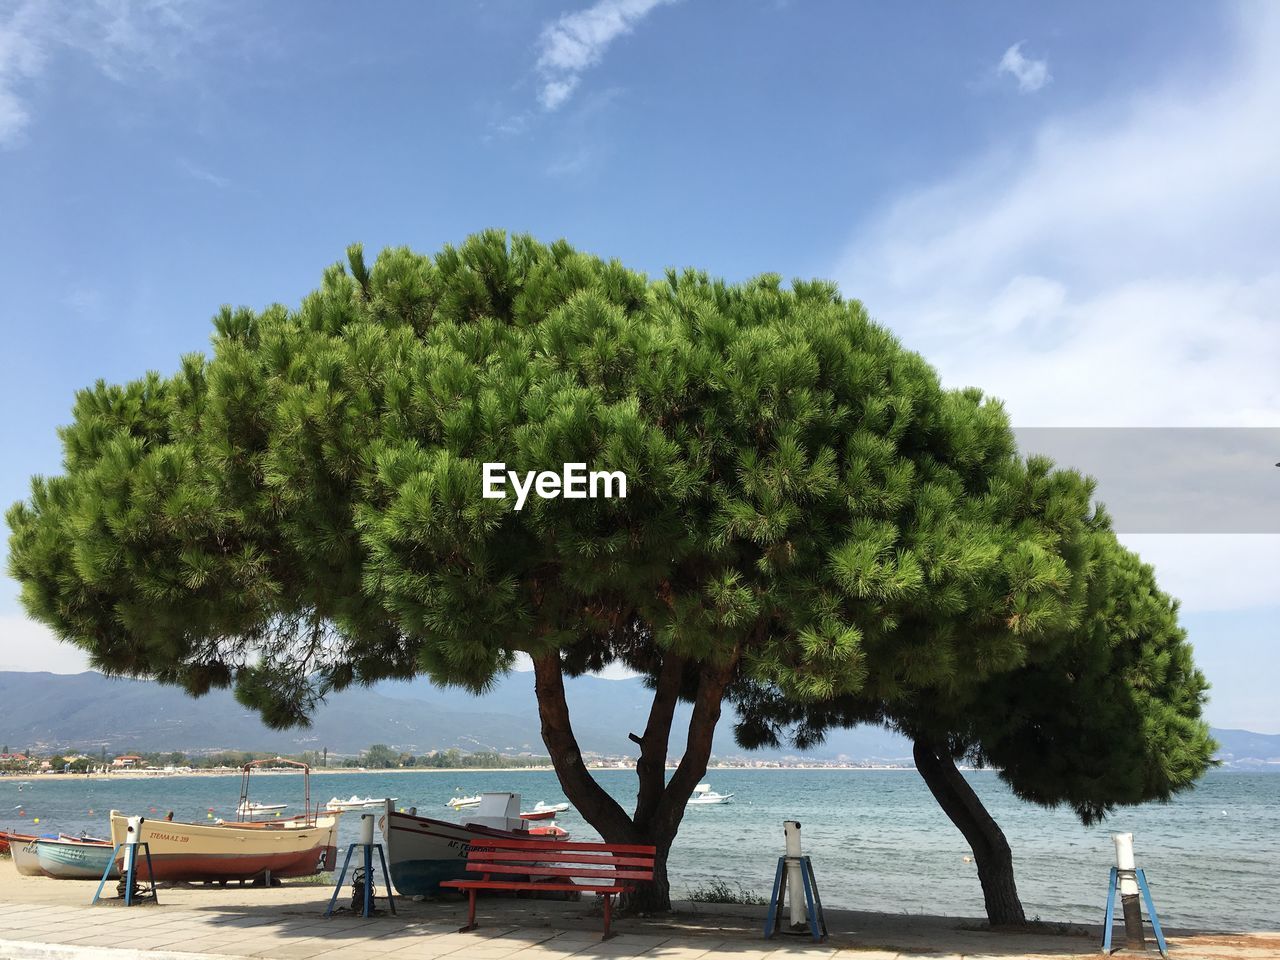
x=52, y=918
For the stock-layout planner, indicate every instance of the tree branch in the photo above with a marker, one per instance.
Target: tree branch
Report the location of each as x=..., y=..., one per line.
x=596, y=806
x=651, y=767
x=707, y=704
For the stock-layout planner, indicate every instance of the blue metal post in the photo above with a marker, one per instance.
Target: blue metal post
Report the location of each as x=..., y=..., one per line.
x=106, y=874
x=130, y=874
x=337, y=887
x=369, y=897
x=810, y=889
x=368, y=880
x=1112, y=883
x=1151, y=909
x=813, y=902
x=386, y=878
x=770, y=921
x=817, y=897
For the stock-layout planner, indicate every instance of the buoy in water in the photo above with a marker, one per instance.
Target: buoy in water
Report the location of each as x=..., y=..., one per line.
x=36, y=820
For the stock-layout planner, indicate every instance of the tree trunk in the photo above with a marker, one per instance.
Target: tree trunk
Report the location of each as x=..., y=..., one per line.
x=990, y=848
x=660, y=804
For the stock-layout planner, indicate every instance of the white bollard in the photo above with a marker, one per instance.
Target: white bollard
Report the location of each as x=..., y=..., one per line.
x=1125, y=863
x=1130, y=904
x=795, y=883
x=366, y=828
x=133, y=826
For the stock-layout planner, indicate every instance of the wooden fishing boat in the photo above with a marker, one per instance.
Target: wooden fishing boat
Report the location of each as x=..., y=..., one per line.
x=232, y=851
x=23, y=849
x=290, y=847
x=8, y=835
x=71, y=858
x=423, y=852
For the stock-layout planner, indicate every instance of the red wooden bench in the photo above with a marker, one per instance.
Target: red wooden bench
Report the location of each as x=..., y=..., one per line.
x=563, y=866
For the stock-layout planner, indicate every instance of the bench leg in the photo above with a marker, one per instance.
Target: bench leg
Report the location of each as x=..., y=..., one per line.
x=471, y=913
x=608, y=915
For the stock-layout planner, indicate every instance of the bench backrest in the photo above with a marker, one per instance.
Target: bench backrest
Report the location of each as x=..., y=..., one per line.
x=620, y=863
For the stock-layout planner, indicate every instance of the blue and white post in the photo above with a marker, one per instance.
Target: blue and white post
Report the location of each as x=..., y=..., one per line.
x=795, y=878
x=1129, y=879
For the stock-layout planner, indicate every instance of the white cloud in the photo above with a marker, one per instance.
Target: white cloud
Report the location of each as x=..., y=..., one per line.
x=121, y=38
x=1116, y=268
x=1213, y=573
x=1030, y=74
x=578, y=41
x=21, y=59
x=27, y=645
x=197, y=172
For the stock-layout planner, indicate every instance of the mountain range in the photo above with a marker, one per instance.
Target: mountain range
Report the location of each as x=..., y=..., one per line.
x=90, y=712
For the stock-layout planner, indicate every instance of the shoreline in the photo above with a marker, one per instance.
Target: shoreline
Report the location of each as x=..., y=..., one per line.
x=343, y=771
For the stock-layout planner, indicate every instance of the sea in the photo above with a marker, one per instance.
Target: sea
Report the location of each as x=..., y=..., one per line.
x=877, y=838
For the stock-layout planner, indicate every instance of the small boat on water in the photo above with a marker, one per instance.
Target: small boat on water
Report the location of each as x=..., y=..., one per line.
x=551, y=830
x=423, y=852
x=543, y=811
x=71, y=858
x=457, y=803
x=703, y=795
x=251, y=808
x=358, y=803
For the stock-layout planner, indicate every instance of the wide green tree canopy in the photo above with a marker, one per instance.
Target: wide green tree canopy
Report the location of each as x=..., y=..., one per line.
x=807, y=508
x=303, y=509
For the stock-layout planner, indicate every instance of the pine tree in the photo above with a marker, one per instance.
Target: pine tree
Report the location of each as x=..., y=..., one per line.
x=1106, y=712
x=302, y=510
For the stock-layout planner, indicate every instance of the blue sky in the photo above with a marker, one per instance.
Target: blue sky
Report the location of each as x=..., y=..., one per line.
x=1073, y=206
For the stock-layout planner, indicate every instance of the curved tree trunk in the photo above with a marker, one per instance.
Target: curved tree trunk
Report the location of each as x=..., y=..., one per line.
x=660, y=803
x=990, y=848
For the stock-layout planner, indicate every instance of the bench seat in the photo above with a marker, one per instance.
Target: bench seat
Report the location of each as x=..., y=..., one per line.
x=603, y=868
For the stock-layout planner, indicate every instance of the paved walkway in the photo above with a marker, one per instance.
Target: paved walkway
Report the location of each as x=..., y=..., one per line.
x=50, y=920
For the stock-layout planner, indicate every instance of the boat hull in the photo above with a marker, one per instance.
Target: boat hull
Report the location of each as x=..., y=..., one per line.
x=423, y=852
x=196, y=851
x=24, y=855
x=71, y=860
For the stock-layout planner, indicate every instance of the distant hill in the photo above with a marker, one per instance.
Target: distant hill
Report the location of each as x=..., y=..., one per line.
x=88, y=711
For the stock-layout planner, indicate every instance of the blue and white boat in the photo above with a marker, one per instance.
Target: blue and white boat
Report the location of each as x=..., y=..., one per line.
x=67, y=858
x=423, y=852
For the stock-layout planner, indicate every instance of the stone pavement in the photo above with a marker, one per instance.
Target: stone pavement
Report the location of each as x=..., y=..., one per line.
x=50, y=920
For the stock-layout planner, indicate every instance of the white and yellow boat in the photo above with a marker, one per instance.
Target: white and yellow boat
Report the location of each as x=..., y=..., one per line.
x=232, y=851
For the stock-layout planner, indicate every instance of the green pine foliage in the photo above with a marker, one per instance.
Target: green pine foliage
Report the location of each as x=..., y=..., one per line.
x=301, y=510
x=1107, y=711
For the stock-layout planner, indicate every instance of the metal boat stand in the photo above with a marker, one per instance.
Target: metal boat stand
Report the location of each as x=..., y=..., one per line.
x=369, y=896
x=129, y=877
x=813, y=902
x=1136, y=874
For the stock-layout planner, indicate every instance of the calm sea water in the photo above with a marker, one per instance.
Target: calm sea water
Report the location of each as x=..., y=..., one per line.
x=877, y=838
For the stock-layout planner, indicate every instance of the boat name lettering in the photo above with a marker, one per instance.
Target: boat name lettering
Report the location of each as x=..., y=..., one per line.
x=172, y=838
